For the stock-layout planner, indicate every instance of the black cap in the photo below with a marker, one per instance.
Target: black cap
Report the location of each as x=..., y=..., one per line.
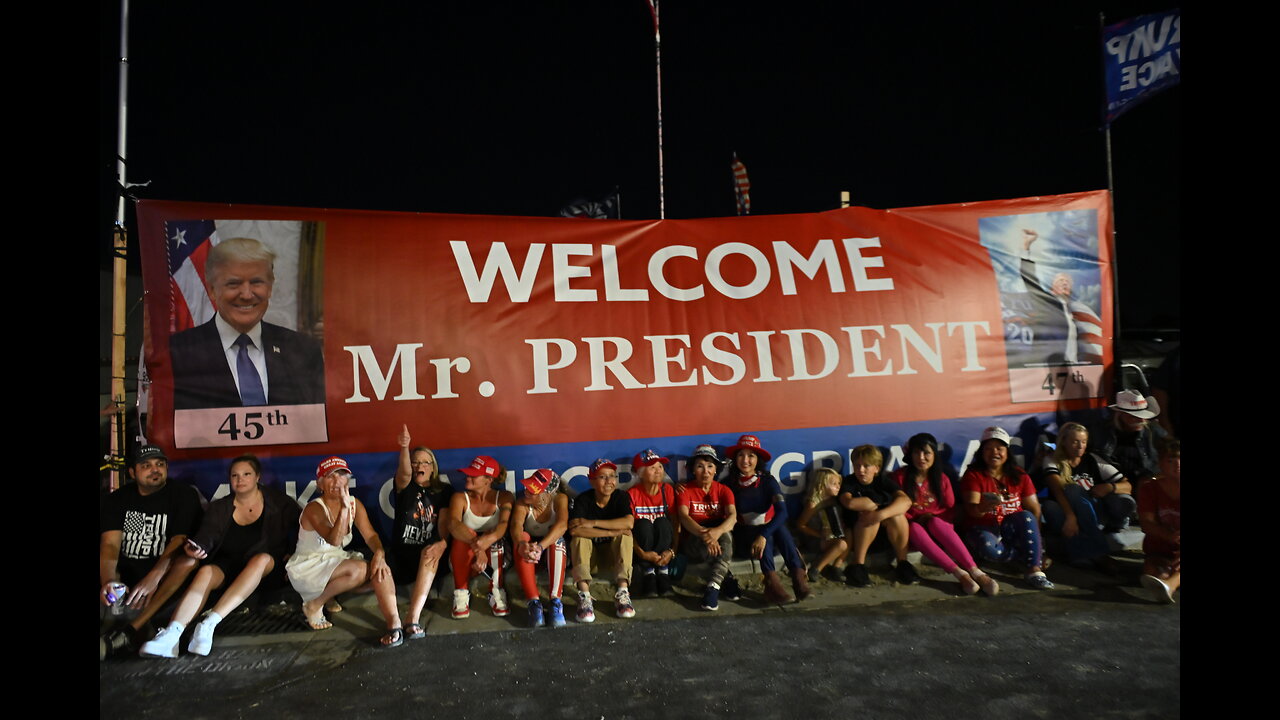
x=146, y=452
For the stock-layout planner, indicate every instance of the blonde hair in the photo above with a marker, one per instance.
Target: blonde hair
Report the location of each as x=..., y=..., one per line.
x=1060, y=452
x=433, y=480
x=867, y=455
x=819, y=482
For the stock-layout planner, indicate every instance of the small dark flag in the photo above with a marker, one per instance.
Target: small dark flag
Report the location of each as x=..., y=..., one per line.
x=610, y=208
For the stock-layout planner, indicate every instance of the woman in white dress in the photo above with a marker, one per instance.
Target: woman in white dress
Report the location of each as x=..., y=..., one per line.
x=320, y=569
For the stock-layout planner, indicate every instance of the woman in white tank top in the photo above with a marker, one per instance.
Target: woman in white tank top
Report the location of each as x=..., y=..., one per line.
x=537, y=531
x=478, y=524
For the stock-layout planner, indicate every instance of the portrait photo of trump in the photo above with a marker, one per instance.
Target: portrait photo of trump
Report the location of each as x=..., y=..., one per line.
x=242, y=348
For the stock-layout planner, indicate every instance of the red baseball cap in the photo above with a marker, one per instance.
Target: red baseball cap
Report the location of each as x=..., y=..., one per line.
x=536, y=483
x=600, y=464
x=482, y=465
x=330, y=464
x=647, y=457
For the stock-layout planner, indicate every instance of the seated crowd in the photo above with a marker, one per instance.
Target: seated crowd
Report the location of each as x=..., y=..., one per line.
x=157, y=540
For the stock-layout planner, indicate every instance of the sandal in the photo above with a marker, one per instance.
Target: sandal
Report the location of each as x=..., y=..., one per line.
x=393, y=638
x=414, y=631
x=317, y=621
x=332, y=607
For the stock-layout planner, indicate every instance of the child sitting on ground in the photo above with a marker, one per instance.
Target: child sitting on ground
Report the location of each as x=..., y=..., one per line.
x=824, y=504
x=878, y=501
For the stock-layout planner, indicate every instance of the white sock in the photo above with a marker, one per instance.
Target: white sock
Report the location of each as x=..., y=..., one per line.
x=175, y=626
x=211, y=619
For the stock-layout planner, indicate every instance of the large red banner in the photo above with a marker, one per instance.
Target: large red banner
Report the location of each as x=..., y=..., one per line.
x=484, y=332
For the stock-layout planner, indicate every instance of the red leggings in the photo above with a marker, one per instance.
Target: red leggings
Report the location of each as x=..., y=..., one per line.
x=557, y=559
x=461, y=555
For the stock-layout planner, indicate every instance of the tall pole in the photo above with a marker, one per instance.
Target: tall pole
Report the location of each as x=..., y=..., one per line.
x=119, y=268
x=657, y=53
x=1115, y=261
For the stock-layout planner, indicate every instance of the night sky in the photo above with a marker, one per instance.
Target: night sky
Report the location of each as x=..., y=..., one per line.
x=518, y=108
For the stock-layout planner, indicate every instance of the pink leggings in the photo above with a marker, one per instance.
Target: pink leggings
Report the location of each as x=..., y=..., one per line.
x=556, y=558
x=929, y=532
x=461, y=555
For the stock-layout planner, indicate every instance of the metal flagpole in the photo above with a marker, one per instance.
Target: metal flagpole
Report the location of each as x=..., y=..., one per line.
x=1115, y=261
x=1111, y=183
x=657, y=53
x=119, y=269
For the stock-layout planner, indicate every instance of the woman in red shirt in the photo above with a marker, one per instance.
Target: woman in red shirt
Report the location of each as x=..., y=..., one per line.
x=707, y=515
x=1002, y=510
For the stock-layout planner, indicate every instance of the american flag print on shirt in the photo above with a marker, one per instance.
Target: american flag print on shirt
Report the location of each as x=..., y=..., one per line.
x=144, y=534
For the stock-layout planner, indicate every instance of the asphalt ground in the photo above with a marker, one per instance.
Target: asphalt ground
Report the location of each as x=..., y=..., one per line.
x=1094, y=647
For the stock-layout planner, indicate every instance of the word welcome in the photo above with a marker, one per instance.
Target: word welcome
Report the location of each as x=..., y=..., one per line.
x=786, y=260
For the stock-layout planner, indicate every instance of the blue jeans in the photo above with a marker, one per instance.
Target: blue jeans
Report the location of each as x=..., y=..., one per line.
x=1088, y=542
x=1114, y=510
x=1016, y=540
x=780, y=536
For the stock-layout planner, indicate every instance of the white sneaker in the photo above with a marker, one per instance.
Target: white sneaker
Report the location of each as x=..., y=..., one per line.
x=498, y=601
x=201, y=639
x=586, y=609
x=164, y=644
x=461, y=604
x=622, y=603
x=1159, y=590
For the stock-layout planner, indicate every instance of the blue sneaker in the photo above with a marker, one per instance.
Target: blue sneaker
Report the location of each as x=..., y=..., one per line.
x=711, y=598
x=1039, y=581
x=535, y=613
x=556, y=613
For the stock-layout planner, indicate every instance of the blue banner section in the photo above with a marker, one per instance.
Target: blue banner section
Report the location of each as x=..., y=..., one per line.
x=1141, y=57
x=795, y=455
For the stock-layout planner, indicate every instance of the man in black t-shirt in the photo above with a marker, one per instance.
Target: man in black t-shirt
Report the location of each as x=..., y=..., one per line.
x=143, y=528
x=600, y=525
